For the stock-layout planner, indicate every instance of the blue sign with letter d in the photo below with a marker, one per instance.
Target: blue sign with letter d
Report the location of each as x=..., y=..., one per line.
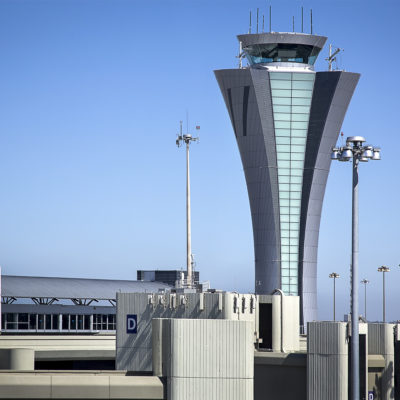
x=131, y=323
x=371, y=395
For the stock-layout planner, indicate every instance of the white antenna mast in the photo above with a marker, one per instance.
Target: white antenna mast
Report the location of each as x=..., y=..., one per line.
x=241, y=55
x=250, y=23
x=187, y=138
x=332, y=56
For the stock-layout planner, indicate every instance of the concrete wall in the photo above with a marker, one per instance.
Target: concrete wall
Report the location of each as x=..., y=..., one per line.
x=381, y=342
x=205, y=359
x=134, y=351
x=327, y=361
x=280, y=376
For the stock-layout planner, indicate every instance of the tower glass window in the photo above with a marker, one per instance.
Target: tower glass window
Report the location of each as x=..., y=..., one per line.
x=282, y=52
x=291, y=101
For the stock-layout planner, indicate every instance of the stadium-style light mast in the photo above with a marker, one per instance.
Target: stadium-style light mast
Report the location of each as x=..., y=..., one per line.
x=365, y=283
x=383, y=269
x=187, y=138
x=356, y=151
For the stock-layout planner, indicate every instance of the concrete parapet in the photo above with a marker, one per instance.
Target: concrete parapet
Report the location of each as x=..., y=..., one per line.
x=79, y=385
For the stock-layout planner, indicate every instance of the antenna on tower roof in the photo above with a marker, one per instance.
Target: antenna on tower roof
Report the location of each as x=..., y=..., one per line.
x=302, y=19
x=311, y=20
x=250, y=23
x=263, y=24
x=257, y=20
x=240, y=56
x=293, y=23
x=270, y=12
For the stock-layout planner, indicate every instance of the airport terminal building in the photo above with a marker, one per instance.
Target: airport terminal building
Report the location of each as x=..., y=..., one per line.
x=49, y=305
x=286, y=118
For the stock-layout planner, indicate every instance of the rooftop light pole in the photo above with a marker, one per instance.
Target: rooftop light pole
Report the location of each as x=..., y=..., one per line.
x=383, y=269
x=356, y=151
x=334, y=275
x=187, y=138
x=365, y=282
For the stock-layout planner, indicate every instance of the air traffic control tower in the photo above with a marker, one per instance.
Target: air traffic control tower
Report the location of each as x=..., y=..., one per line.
x=286, y=118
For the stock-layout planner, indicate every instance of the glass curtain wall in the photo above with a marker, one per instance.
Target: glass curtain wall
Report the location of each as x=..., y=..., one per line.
x=51, y=322
x=291, y=99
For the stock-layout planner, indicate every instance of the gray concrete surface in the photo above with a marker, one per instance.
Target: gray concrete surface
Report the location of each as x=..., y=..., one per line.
x=78, y=385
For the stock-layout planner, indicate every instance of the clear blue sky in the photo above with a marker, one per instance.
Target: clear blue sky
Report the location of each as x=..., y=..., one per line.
x=92, y=184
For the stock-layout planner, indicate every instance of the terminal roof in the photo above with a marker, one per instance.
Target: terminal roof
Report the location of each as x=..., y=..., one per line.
x=72, y=288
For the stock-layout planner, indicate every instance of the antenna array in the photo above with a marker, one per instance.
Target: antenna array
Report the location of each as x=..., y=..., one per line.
x=270, y=21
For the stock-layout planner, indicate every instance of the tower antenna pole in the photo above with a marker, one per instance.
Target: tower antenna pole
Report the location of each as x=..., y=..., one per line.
x=257, y=20
x=270, y=12
x=187, y=139
x=311, y=20
x=332, y=56
x=302, y=20
x=250, y=23
x=240, y=55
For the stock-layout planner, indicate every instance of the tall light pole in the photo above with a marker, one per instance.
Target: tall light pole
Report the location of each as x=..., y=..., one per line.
x=383, y=269
x=187, y=138
x=354, y=150
x=365, y=282
x=334, y=275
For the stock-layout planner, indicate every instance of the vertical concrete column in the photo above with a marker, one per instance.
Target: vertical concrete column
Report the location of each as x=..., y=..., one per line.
x=230, y=311
x=285, y=323
x=291, y=323
x=277, y=323
x=157, y=324
x=17, y=359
